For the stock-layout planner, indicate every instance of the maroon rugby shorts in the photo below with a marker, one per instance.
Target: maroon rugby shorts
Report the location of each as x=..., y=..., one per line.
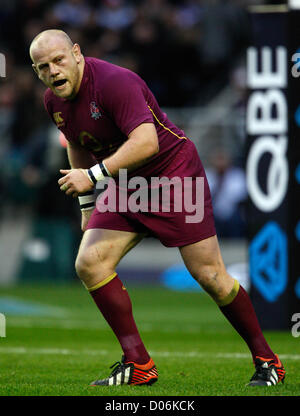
x=178, y=214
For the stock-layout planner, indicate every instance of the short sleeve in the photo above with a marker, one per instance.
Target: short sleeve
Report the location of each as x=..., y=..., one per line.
x=124, y=99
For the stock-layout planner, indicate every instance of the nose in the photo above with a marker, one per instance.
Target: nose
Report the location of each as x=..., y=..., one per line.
x=53, y=70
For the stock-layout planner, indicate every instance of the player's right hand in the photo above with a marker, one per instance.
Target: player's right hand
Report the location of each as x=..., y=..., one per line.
x=85, y=216
x=75, y=181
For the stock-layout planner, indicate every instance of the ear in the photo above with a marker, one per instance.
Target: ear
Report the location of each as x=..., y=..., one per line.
x=35, y=69
x=77, y=52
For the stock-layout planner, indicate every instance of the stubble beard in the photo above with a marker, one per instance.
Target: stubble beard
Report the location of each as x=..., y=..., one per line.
x=72, y=86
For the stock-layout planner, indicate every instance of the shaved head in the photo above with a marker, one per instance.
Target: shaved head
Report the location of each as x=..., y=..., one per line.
x=58, y=62
x=50, y=35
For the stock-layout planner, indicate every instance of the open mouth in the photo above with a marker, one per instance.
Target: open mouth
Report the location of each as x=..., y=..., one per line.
x=59, y=83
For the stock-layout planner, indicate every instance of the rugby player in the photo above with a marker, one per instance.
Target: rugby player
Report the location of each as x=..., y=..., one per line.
x=112, y=121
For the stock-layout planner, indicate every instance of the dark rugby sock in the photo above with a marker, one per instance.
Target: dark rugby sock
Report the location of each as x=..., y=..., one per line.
x=113, y=301
x=238, y=309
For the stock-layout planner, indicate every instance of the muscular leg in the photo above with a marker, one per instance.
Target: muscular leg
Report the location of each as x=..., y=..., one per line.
x=99, y=253
x=204, y=262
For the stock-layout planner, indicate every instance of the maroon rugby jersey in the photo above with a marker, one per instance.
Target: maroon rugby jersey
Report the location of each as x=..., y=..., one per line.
x=111, y=102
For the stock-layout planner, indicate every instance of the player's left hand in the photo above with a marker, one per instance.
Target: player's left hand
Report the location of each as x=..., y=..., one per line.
x=74, y=182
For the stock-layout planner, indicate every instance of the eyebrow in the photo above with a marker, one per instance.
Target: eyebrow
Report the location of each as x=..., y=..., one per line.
x=43, y=65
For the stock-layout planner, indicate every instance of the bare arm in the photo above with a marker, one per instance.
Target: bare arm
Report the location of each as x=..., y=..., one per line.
x=79, y=157
x=141, y=145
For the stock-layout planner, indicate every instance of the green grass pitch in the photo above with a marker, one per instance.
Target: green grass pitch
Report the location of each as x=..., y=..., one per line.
x=197, y=353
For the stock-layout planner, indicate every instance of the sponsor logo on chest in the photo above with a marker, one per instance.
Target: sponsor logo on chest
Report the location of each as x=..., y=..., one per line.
x=58, y=119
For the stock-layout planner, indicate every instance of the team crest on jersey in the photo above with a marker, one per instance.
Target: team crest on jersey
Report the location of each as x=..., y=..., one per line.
x=95, y=112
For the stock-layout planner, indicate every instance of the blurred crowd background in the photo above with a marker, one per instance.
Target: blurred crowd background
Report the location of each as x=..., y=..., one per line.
x=192, y=55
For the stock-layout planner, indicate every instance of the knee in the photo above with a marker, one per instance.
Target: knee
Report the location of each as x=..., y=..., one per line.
x=92, y=263
x=207, y=276
x=214, y=280
x=84, y=264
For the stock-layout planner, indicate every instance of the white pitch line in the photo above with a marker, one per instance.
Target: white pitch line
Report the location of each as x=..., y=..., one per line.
x=50, y=351
x=67, y=324
x=179, y=354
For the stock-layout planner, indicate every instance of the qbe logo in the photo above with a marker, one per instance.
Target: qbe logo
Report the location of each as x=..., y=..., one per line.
x=267, y=169
x=2, y=326
x=267, y=123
